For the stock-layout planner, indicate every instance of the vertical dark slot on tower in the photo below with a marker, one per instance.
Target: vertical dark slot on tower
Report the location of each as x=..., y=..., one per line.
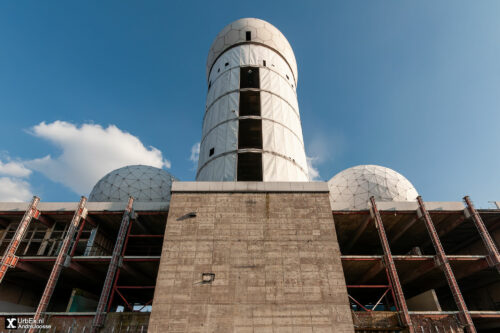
x=249, y=103
x=250, y=167
x=264, y=63
x=249, y=77
x=212, y=151
x=249, y=35
x=250, y=133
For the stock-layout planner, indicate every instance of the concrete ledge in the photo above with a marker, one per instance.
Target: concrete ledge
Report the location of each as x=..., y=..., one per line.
x=250, y=187
x=445, y=206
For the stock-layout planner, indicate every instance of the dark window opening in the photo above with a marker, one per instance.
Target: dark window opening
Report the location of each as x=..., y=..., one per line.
x=250, y=133
x=218, y=70
x=249, y=35
x=209, y=84
x=264, y=63
x=249, y=77
x=226, y=64
x=250, y=167
x=212, y=151
x=249, y=103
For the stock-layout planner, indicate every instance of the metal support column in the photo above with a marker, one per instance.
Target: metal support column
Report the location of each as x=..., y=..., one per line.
x=494, y=256
x=391, y=268
x=80, y=213
x=9, y=258
x=444, y=264
x=113, y=266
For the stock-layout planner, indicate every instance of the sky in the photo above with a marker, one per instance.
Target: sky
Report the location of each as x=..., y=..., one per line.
x=90, y=86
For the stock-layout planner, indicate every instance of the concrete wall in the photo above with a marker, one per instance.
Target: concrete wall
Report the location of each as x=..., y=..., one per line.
x=275, y=258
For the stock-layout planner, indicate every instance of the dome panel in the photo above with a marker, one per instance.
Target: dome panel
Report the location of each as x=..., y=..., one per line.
x=262, y=32
x=144, y=183
x=356, y=185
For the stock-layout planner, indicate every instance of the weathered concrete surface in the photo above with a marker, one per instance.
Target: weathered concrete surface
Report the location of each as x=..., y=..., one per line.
x=275, y=258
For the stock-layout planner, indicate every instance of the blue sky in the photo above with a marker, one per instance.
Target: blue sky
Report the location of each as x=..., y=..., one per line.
x=414, y=86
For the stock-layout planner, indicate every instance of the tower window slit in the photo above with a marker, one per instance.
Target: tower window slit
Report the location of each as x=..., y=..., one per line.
x=250, y=133
x=250, y=167
x=249, y=103
x=212, y=151
x=249, y=77
x=248, y=35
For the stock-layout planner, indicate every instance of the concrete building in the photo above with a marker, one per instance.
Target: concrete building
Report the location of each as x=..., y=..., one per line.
x=252, y=246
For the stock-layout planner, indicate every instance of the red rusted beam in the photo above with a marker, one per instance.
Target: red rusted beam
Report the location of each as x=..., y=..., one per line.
x=464, y=315
x=75, y=244
x=118, y=251
x=124, y=299
x=494, y=255
x=9, y=258
x=391, y=267
x=361, y=305
x=58, y=265
x=46, y=220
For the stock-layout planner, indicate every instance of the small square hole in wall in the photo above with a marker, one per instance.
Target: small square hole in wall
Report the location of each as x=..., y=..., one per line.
x=212, y=151
x=226, y=64
x=207, y=278
x=249, y=35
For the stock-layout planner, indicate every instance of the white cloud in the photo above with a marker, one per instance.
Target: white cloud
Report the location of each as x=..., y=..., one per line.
x=15, y=169
x=313, y=171
x=89, y=152
x=14, y=190
x=195, y=153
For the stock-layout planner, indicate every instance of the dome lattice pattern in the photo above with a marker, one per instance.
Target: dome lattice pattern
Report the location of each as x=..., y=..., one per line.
x=144, y=183
x=261, y=32
x=356, y=185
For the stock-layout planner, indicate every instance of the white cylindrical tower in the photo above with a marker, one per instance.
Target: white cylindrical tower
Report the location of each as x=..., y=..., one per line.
x=251, y=128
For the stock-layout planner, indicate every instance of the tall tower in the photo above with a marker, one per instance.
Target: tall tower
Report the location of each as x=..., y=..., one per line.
x=251, y=127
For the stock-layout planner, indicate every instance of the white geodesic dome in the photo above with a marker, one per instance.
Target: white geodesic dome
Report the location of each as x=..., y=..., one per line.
x=262, y=32
x=144, y=183
x=355, y=186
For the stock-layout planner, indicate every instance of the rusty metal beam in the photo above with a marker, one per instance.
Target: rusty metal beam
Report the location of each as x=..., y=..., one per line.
x=9, y=258
x=46, y=220
x=391, y=267
x=494, y=255
x=359, y=232
x=445, y=230
x=113, y=266
x=80, y=213
x=464, y=315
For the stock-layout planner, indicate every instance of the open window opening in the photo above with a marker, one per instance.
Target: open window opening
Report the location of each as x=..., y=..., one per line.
x=250, y=133
x=250, y=167
x=248, y=35
x=249, y=103
x=212, y=151
x=249, y=77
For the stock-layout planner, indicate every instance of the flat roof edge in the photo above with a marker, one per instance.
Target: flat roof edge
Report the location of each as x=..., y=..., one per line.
x=317, y=187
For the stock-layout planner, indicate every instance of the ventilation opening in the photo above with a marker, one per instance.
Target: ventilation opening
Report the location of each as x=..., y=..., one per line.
x=264, y=63
x=250, y=133
x=226, y=64
x=209, y=84
x=212, y=151
x=250, y=167
x=249, y=103
x=249, y=77
x=249, y=35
